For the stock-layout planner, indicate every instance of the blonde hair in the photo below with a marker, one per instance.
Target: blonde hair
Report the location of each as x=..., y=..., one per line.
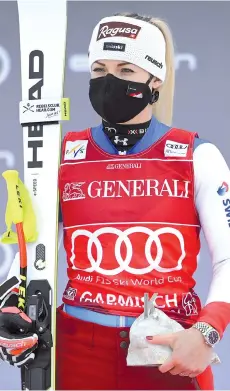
x=163, y=108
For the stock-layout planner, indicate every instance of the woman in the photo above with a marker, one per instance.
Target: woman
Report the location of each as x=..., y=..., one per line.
x=138, y=193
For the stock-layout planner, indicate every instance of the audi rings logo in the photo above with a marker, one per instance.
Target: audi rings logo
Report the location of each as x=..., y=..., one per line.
x=5, y=64
x=123, y=238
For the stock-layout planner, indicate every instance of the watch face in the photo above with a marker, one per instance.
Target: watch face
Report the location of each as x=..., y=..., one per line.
x=213, y=337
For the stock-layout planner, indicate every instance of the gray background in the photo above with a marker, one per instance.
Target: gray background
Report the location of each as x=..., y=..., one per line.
x=201, y=31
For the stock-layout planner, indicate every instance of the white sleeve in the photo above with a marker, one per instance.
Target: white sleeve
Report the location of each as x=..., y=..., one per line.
x=212, y=199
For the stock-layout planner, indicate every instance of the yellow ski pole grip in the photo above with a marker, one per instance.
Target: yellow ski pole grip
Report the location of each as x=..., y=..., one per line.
x=14, y=197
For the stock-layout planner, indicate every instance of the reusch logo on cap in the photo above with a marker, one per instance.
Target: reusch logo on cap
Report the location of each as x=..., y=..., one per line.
x=155, y=62
x=117, y=29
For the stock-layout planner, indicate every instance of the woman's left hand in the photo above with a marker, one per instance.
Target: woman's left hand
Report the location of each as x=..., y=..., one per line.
x=190, y=355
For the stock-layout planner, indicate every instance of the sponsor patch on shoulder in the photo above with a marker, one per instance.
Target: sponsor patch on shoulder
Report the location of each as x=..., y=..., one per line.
x=75, y=150
x=175, y=149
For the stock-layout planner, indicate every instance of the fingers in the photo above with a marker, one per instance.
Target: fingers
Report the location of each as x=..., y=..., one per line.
x=167, y=366
x=18, y=343
x=185, y=373
x=17, y=311
x=27, y=360
x=25, y=317
x=10, y=310
x=175, y=367
x=165, y=339
x=2, y=354
x=182, y=371
x=20, y=315
x=18, y=360
x=177, y=371
x=17, y=352
x=195, y=374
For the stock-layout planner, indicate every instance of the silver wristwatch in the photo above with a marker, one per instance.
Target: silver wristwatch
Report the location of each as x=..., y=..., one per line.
x=210, y=334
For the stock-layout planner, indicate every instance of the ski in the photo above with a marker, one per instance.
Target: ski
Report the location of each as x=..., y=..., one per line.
x=43, y=26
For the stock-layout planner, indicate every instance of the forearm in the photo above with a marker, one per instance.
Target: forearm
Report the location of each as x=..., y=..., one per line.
x=216, y=311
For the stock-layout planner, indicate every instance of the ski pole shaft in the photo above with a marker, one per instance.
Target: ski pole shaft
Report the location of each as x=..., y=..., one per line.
x=14, y=199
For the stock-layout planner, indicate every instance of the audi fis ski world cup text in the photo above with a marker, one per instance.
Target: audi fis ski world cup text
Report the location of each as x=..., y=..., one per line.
x=156, y=281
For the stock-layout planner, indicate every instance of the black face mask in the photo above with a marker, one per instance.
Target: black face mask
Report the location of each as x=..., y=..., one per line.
x=117, y=100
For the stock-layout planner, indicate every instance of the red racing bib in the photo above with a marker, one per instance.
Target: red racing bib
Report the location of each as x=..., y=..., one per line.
x=130, y=225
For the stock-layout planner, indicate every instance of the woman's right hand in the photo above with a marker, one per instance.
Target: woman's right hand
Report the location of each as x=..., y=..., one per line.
x=17, y=342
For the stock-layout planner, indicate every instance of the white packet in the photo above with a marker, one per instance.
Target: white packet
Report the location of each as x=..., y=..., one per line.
x=152, y=322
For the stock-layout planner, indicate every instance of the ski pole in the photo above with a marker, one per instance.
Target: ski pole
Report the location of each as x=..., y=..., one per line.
x=14, y=200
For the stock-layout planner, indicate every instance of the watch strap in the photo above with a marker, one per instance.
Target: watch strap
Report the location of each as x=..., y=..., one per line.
x=205, y=329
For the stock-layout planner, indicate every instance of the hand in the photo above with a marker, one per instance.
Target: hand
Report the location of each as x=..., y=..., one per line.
x=190, y=355
x=17, y=342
